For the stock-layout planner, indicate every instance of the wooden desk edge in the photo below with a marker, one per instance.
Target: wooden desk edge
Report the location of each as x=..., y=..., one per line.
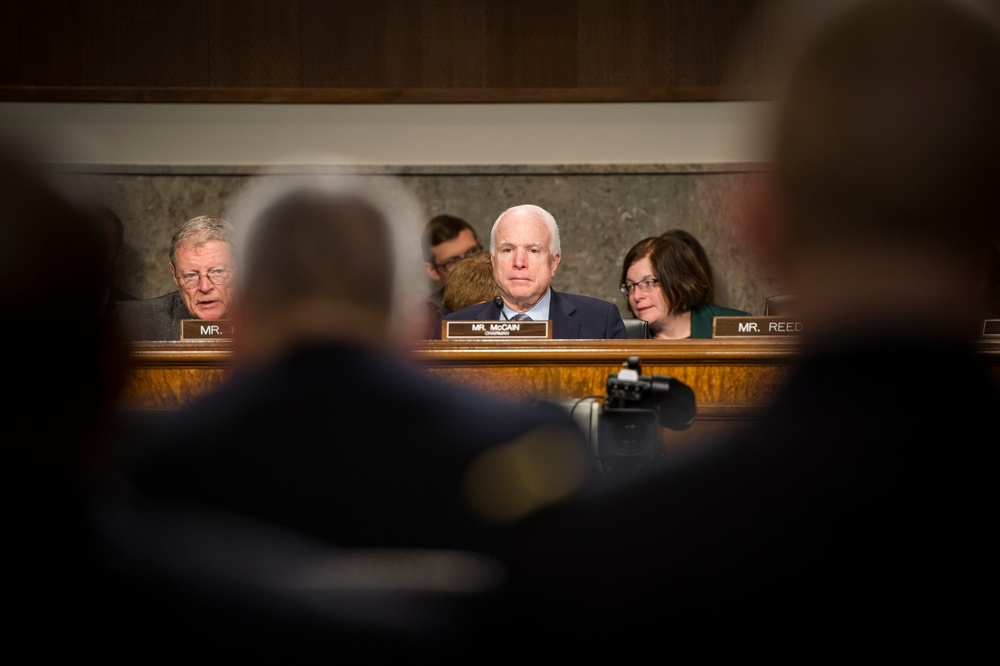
x=547, y=352
x=541, y=351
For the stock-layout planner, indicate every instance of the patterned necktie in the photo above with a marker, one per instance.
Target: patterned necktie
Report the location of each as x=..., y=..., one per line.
x=520, y=316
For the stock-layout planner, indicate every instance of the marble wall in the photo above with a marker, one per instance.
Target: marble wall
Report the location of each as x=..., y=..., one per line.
x=602, y=210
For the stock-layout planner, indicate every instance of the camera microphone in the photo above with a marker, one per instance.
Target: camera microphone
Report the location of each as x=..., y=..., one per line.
x=498, y=302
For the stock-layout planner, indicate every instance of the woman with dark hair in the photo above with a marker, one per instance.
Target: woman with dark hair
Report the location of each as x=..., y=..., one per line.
x=666, y=285
x=699, y=252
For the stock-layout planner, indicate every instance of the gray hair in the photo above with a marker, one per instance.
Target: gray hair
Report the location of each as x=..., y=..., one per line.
x=201, y=229
x=539, y=214
x=396, y=204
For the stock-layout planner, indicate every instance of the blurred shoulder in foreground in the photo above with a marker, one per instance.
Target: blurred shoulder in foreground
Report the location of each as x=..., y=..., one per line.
x=862, y=493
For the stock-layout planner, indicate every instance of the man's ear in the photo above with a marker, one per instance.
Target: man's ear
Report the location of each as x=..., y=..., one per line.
x=555, y=263
x=173, y=272
x=432, y=272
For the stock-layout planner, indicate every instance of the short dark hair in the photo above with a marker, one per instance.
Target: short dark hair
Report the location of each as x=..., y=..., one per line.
x=699, y=252
x=441, y=228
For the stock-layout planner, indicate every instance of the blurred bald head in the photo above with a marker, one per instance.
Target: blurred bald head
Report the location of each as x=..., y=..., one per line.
x=889, y=130
x=885, y=177
x=53, y=261
x=317, y=266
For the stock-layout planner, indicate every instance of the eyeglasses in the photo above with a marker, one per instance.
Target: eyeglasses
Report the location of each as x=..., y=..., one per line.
x=645, y=286
x=449, y=264
x=216, y=276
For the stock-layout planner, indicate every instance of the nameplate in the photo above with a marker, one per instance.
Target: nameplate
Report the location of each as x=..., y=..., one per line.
x=495, y=330
x=200, y=329
x=749, y=327
x=991, y=327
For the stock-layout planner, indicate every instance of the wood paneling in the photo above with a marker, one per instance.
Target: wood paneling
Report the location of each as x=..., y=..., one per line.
x=724, y=373
x=167, y=375
x=252, y=42
x=731, y=379
x=377, y=51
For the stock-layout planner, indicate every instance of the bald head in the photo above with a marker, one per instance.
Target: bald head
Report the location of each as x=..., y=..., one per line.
x=889, y=131
x=53, y=259
x=885, y=180
x=317, y=264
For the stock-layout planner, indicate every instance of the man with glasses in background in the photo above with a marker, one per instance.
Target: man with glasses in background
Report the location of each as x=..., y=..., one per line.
x=201, y=262
x=446, y=241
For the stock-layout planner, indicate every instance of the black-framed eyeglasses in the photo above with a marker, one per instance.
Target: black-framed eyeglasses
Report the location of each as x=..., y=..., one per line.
x=215, y=276
x=448, y=265
x=644, y=286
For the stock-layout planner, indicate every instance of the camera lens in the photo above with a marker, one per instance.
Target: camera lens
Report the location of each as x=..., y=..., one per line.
x=629, y=432
x=629, y=436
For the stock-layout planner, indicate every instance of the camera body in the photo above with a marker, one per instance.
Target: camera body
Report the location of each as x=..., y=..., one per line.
x=636, y=407
x=628, y=438
x=624, y=428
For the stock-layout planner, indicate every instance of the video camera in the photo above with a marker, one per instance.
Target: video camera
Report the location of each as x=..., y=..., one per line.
x=635, y=409
x=624, y=427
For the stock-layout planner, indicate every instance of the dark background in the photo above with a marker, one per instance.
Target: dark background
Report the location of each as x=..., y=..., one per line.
x=370, y=51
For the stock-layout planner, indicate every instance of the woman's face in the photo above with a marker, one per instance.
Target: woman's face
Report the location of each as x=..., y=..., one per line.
x=651, y=305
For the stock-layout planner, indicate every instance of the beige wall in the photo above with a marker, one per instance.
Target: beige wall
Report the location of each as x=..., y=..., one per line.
x=393, y=134
x=611, y=174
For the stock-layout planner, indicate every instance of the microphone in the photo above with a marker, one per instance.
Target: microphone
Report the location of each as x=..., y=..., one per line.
x=498, y=301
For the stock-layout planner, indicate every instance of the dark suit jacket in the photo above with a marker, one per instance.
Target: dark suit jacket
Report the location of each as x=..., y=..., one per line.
x=156, y=318
x=573, y=317
x=863, y=493
x=115, y=294
x=337, y=443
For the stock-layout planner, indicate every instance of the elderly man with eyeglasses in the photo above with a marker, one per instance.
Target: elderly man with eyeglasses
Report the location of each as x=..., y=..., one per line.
x=202, y=265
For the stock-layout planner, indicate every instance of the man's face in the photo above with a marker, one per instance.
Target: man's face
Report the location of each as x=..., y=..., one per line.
x=523, y=266
x=204, y=299
x=449, y=253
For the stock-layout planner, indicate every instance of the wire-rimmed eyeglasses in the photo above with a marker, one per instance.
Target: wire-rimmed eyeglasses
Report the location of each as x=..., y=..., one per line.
x=215, y=276
x=644, y=286
x=448, y=265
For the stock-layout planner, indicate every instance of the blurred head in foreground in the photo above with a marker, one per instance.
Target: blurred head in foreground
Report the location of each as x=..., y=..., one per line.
x=318, y=265
x=324, y=259
x=884, y=188
x=71, y=366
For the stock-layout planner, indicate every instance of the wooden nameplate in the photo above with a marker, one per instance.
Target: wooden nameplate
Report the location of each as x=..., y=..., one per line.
x=204, y=329
x=495, y=330
x=753, y=327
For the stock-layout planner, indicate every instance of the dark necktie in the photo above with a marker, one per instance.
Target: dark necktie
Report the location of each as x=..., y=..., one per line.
x=520, y=316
